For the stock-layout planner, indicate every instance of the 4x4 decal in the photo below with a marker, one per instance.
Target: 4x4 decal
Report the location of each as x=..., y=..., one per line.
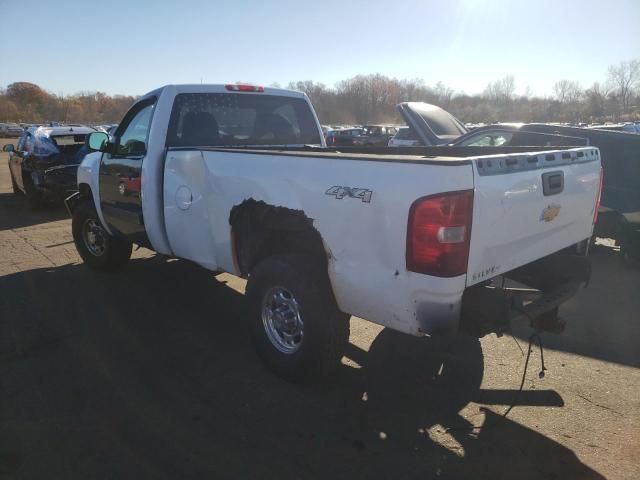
x=352, y=192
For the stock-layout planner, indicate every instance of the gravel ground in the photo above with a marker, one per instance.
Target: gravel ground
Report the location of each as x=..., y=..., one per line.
x=149, y=374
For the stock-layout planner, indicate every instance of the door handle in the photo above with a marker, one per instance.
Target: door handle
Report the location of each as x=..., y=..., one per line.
x=552, y=183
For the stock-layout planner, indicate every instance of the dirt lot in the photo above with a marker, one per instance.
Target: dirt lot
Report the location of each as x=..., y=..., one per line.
x=149, y=374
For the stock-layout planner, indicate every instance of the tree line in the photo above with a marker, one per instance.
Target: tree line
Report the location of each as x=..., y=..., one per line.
x=372, y=98
x=26, y=102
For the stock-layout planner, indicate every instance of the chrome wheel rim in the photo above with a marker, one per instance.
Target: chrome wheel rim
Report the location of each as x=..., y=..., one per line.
x=282, y=320
x=94, y=237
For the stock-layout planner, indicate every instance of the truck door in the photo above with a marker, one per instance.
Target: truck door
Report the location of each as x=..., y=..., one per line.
x=120, y=180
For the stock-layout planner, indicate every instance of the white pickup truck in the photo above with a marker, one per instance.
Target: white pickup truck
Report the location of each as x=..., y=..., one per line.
x=237, y=178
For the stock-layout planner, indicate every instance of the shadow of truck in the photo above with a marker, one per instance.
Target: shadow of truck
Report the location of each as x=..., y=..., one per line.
x=149, y=374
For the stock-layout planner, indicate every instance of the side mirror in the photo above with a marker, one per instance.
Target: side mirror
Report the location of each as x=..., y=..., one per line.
x=97, y=141
x=9, y=148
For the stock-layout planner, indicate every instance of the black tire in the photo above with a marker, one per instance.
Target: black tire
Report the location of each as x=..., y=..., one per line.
x=115, y=252
x=325, y=330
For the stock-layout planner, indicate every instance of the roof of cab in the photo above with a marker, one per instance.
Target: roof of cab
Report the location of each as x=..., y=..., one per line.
x=221, y=88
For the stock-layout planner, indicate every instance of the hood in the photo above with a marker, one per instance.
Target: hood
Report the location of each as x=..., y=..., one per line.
x=432, y=124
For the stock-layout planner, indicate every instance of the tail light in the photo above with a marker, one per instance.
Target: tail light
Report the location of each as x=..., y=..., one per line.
x=438, y=234
x=598, y=197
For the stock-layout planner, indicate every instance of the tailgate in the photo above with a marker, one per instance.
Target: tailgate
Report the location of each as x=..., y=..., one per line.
x=528, y=206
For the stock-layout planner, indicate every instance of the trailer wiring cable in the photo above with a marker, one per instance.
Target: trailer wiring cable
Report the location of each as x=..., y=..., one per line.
x=541, y=374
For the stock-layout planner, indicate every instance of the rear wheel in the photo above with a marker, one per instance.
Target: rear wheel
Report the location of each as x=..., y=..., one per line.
x=98, y=249
x=295, y=325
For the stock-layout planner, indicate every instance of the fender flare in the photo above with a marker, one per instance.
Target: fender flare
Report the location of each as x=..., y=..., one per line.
x=85, y=192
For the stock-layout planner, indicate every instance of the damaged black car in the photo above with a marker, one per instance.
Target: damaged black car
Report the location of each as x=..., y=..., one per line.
x=44, y=163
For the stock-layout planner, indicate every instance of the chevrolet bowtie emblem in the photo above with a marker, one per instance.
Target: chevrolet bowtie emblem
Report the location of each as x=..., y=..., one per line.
x=549, y=213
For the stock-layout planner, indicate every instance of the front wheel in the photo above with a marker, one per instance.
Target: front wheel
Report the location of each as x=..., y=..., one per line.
x=98, y=249
x=295, y=324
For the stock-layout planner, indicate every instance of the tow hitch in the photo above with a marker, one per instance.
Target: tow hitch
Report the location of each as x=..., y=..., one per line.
x=531, y=293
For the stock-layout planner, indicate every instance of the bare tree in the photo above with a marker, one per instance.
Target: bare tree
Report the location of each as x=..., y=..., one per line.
x=373, y=98
x=567, y=91
x=443, y=94
x=625, y=78
x=595, y=102
x=501, y=91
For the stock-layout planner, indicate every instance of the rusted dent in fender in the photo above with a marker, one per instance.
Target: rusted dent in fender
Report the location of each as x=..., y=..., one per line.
x=260, y=230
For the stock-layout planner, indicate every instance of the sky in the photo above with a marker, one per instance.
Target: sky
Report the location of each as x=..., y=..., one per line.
x=133, y=46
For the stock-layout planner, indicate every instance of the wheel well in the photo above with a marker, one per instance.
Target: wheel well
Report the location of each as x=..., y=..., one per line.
x=85, y=190
x=260, y=230
x=85, y=194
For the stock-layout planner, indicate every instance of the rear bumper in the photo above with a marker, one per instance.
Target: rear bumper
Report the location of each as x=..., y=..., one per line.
x=533, y=294
x=57, y=182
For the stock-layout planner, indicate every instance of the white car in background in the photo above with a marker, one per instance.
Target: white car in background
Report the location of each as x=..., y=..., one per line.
x=405, y=137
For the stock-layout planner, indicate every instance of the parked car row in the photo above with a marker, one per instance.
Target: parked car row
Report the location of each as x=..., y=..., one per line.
x=364, y=135
x=630, y=127
x=13, y=130
x=342, y=137
x=8, y=130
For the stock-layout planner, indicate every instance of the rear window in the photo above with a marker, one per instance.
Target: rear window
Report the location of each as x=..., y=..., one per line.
x=232, y=119
x=63, y=140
